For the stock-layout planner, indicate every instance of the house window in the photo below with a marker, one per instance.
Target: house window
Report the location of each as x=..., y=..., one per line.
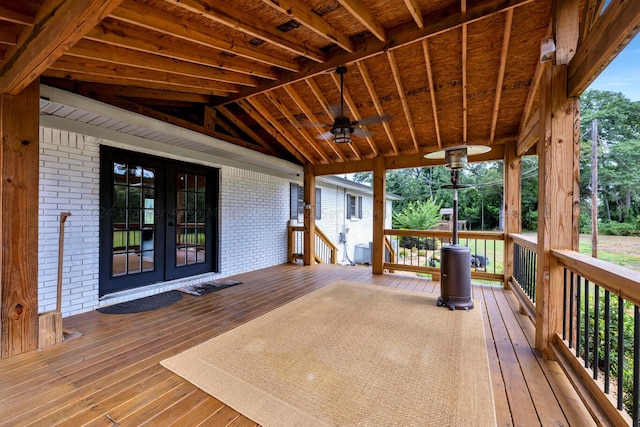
x=354, y=206
x=297, y=202
x=158, y=220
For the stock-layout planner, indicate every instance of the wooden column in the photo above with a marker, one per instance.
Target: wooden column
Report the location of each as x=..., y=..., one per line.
x=19, y=120
x=558, y=154
x=512, y=205
x=379, y=203
x=309, y=216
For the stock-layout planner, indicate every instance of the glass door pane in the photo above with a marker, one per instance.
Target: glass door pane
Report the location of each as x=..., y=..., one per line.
x=190, y=219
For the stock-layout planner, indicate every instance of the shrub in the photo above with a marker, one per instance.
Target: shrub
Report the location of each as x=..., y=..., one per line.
x=612, y=228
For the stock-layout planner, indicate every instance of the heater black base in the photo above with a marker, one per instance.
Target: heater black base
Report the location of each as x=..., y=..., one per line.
x=453, y=303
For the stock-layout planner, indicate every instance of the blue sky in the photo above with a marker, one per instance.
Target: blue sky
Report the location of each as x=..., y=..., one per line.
x=623, y=74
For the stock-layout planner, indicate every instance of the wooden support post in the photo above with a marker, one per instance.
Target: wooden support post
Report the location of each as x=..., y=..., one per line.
x=558, y=154
x=19, y=121
x=309, y=216
x=379, y=203
x=512, y=205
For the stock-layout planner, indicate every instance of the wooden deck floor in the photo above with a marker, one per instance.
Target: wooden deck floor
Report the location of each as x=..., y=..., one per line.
x=111, y=375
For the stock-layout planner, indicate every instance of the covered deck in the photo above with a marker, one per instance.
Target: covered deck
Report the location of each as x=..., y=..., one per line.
x=111, y=374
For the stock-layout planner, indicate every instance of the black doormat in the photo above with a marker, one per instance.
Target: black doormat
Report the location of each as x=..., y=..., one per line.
x=143, y=304
x=208, y=287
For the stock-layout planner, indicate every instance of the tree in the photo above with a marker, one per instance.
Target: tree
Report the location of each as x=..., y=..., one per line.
x=418, y=215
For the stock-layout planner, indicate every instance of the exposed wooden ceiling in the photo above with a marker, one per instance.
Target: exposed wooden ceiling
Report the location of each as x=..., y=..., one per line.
x=252, y=72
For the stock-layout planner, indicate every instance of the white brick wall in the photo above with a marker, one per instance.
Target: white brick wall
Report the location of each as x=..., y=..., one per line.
x=254, y=215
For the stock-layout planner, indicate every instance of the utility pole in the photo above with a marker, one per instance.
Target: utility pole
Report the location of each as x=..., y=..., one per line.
x=594, y=188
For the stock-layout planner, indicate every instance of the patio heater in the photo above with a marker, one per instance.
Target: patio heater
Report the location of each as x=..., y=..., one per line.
x=455, y=259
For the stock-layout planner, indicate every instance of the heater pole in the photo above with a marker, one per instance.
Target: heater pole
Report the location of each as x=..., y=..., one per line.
x=454, y=181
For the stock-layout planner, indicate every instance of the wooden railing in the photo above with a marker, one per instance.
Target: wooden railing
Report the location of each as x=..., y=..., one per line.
x=599, y=346
x=325, y=250
x=525, y=267
x=419, y=251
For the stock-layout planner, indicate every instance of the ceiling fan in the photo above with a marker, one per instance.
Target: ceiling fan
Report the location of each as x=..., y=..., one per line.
x=342, y=129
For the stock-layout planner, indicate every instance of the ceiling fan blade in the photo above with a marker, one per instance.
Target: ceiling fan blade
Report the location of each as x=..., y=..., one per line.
x=335, y=111
x=362, y=133
x=373, y=120
x=326, y=135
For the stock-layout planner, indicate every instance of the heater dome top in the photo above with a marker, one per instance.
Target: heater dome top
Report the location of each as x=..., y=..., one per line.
x=472, y=150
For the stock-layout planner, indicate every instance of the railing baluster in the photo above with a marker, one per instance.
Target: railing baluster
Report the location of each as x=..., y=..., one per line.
x=607, y=342
x=596, y=332
x=577, y=315
x=586, y=322
x=620, y=378
x=564, y=305
x=636, y=365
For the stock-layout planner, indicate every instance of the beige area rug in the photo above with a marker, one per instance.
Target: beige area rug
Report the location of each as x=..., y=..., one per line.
x=350, y=355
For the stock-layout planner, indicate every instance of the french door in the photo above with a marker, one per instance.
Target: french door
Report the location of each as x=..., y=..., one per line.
x=158, y=220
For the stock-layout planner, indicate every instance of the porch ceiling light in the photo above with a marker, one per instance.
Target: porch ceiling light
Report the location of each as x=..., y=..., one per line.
x=342, y=133
x=456, y=157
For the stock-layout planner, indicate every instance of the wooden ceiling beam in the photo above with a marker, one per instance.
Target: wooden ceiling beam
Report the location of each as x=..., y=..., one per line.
x=311, y=20
x=465, y=101
x=315, y=89
x=403, y=99
x=80, y=78
x=250, y=25
x=432, y=91
x=399, y=36
x=292, y=120
x=362, y=14
x=402, y=161
x=261, y=114
x=506, y=37
x=311, y=116
x=91, y=68
x=243, y=127
x=351, y=105
x=414, y=10
x=376, y=103
x=8, y=15
x=57, y=26
x=91, y=50
x=529, y=134
x=148, y=93
x=148, y=17
x=112, y=33
x=617, y=26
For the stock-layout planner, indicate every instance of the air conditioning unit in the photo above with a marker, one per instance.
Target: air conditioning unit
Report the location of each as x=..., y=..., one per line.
x=362, y=254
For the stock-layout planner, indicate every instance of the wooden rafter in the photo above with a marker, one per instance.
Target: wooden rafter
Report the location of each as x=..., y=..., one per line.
x=144, y=16
x=277, y=103
x=432, y=92
x=148, y=93
x=279, y=132
x=465, y=115
x=398, y=36
x=365, y=17
x=250, y=25
x=53, y=32
x=114, y=79
x=93, y=67
x=414, y=10
x=307, y=17
x=91, y=50
x=295, y=96
x=503, y=64
x=112, y=33
x=351, y=105
x=535, y=84
x=376, y=103
x=619, y=23
x=325, y=105
x=7, y=38
x=243, y=127
x=403, y=99
x=8, y=15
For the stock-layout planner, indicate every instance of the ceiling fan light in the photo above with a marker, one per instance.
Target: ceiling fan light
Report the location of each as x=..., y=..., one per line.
x=342, y=134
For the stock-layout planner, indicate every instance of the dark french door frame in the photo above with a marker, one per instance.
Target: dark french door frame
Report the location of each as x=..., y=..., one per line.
x=164, y=244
